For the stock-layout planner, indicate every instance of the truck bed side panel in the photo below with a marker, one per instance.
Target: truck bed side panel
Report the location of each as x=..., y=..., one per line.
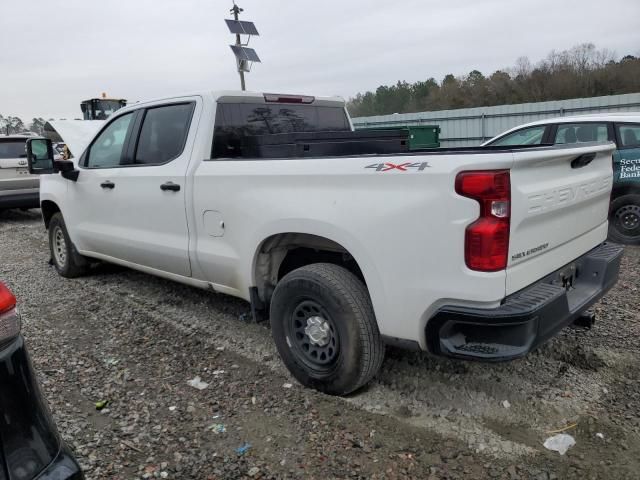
x=404, y=226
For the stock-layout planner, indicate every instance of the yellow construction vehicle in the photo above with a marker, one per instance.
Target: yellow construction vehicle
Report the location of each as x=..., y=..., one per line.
x=101, y=108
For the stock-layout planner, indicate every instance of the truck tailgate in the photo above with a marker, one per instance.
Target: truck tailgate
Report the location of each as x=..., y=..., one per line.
x=559, y=208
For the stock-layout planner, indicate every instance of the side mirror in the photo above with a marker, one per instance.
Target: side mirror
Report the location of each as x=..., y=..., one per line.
x=40, y=156
x=67, y=169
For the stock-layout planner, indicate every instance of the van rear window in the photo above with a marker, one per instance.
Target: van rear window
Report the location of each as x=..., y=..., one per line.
x=12, y=149
x=237, y=120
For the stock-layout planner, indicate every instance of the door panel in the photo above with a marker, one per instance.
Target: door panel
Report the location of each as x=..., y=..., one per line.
x=149, y=225
x=90, y=212
x=92, y=209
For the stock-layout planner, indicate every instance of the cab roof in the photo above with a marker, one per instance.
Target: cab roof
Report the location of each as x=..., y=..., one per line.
x=243, y=97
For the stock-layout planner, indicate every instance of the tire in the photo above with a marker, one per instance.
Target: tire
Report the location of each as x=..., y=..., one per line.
x=324, y=308
x=624, y=219
x=66, y=260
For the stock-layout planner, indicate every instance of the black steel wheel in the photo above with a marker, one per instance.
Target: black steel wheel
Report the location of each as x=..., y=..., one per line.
x=624, y=219
x=324, y=328
x=314, y=335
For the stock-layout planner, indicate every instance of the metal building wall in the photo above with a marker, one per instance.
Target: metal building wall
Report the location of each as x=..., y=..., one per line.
x=471, y=126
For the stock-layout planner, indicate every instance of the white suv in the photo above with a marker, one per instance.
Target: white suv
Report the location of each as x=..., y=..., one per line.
x=18, y=188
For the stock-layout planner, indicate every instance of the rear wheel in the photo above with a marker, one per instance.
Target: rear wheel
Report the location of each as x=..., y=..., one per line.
x=325, y=329
x=624, y=219
x=67, y=261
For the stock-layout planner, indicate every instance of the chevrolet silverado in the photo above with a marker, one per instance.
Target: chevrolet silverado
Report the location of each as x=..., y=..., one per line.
x=346, y=240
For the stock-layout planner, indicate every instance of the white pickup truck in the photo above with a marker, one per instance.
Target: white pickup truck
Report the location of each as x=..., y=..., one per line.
x=345, y=240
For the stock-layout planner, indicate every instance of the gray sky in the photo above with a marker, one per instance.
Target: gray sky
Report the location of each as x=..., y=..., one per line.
x=53, y=54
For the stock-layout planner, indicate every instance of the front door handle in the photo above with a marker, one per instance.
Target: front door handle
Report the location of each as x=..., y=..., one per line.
x=108, y=184
x=173, y=187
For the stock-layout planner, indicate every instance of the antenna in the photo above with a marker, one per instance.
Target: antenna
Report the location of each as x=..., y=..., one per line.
x=245, y=56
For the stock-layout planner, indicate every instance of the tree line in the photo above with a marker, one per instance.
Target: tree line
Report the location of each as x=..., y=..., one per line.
x=582, y=71
x=14, y=125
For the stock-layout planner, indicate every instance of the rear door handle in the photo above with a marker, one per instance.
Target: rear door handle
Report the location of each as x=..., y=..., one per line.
x=173, y=187
x=108, y=184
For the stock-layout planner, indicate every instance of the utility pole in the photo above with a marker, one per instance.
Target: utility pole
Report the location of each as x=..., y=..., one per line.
x=245, y=56
x=236, y=10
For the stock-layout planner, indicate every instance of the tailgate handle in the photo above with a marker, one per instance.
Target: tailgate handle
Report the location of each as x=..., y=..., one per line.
x=583, y=160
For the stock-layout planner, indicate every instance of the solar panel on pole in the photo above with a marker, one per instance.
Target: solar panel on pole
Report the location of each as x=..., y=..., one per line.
x=249, y=28
x=237, y=51
x=234, y=26
x=251, y=54
x=245, y=53
x=241, y=27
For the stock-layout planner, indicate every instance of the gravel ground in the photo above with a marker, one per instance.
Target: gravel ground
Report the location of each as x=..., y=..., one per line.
x=134, y=341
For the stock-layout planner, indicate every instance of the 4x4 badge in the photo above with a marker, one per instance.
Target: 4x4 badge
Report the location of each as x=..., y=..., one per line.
x=403, y=167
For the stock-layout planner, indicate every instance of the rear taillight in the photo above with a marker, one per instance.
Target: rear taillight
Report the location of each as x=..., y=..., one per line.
x=9, y=319
x=486, y=243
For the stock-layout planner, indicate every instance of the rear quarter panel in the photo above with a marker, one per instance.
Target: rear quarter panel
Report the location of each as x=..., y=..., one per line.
x=404, y=228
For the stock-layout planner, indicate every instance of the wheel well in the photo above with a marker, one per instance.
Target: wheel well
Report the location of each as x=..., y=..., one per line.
x=621, y=190
x=48, y=208
x=283, y=253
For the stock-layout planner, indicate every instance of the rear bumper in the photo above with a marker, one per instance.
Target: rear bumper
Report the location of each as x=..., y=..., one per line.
x=20, y=200
x=29, y=441
x=529, y=317
x=63, y=467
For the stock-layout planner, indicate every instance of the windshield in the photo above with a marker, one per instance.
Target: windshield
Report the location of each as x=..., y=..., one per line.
x=107, y=107
x=13, y=149
x=526, y=136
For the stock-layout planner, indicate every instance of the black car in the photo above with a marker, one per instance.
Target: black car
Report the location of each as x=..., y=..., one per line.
x=30, y=446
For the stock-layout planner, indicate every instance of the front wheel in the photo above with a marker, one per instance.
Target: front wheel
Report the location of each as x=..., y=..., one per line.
x=67, y=261
x=325, y=329
x=624, y=219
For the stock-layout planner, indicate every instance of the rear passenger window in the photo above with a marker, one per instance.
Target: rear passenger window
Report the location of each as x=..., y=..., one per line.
x=581, y=132
x=163, y=134
x=12, y=149
x=629, y=135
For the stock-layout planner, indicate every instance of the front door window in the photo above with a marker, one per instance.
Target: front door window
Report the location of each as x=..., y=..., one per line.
x=106, y=150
